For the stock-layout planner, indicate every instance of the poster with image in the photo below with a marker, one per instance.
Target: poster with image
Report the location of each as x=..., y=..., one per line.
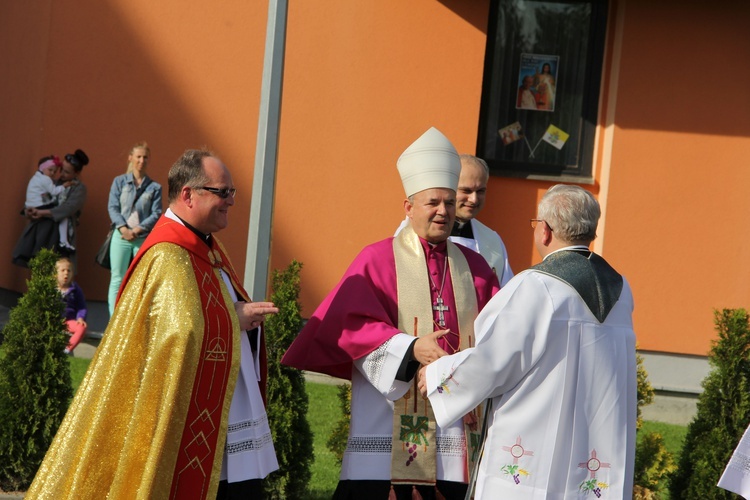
x=510, y=133
x=537, y=79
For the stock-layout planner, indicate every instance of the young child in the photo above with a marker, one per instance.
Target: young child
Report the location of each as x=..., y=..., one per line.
x=75, y=303
x=42, y=193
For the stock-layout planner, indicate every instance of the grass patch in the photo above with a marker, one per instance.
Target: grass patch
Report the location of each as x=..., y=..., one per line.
x=674, y=439
x=78, y=367
x=674, y=435
x=322, y=415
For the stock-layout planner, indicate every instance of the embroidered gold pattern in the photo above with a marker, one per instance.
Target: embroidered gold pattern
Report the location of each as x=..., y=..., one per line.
x=217, y=351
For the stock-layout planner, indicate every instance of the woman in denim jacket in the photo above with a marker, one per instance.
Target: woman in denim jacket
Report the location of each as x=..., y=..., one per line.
x=134, y=207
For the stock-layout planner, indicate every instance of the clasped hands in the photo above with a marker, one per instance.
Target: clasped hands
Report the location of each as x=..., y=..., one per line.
x=427, y=350
x=252, y=314
x=130, y=234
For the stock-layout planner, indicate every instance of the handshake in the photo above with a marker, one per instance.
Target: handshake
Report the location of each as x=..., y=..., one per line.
x=427, y=350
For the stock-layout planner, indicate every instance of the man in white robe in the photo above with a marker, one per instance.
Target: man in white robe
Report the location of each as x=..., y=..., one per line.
x=555, y=354
x=467, y=230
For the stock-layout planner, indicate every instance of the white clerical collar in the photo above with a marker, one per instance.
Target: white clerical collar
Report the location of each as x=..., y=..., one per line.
x=206, y=238
x=171, y=215
x=572, y=247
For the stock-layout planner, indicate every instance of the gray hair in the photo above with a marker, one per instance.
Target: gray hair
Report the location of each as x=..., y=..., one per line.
x=478, y=162
x=571, y=212
x=187, y=171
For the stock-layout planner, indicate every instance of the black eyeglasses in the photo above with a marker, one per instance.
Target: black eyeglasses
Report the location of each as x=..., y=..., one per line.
x=220, y=192
x=535, y=221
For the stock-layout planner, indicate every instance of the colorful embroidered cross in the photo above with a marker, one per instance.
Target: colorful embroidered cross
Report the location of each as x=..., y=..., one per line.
x=593, y=464
x=516, y=451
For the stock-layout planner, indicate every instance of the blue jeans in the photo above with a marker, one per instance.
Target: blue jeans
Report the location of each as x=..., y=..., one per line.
x=121, y=252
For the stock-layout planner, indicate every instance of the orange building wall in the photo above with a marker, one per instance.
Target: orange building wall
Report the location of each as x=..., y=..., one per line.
x=363, y=80
x=105, y=75
x=679, y=175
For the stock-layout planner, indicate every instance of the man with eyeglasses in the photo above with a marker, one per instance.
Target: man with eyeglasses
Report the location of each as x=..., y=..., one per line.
x=173, y=404
x=403, y=301
x=555, y=355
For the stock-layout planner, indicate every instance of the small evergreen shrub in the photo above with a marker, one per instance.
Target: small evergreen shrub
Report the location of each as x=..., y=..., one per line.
x=645, y=391
x=35, y=387
x=653, y=463
x=340, y=434
x=287, y=397
x=723, y=412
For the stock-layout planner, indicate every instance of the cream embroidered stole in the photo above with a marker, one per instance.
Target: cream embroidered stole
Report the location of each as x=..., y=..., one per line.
x=414, y=450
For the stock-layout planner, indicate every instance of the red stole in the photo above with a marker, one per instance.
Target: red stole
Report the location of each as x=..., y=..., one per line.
x=201, y=443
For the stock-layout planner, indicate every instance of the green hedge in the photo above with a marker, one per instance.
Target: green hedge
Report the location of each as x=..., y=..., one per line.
x=35, y=387
x=287, y=398
x=723, y=412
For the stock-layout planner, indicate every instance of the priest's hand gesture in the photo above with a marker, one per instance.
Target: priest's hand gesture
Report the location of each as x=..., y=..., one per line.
x=426, y=348
x=252, y=314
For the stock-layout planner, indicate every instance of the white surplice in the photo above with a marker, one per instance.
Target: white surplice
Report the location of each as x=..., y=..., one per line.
x=489, y=245
x=563, y=387
x=374, y=389
x=249, y=451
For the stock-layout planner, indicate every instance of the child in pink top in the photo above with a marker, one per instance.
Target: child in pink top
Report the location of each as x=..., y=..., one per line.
x=75, y=303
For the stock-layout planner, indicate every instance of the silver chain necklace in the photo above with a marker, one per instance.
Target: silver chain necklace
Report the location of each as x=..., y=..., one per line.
x=439, y=304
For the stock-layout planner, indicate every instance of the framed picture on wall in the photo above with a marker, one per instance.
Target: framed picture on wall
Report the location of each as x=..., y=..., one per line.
x=537, y=75
x=541, y=86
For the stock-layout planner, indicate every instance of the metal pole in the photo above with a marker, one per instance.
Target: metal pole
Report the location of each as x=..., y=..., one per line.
x=257, y=257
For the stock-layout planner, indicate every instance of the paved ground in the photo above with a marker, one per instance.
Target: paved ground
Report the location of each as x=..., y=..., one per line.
x=97, y=321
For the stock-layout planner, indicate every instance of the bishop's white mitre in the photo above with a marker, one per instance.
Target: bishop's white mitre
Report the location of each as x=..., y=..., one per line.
x=430, y=162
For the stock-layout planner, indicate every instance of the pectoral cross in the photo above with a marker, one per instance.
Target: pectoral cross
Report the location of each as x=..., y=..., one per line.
x=440, y=307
